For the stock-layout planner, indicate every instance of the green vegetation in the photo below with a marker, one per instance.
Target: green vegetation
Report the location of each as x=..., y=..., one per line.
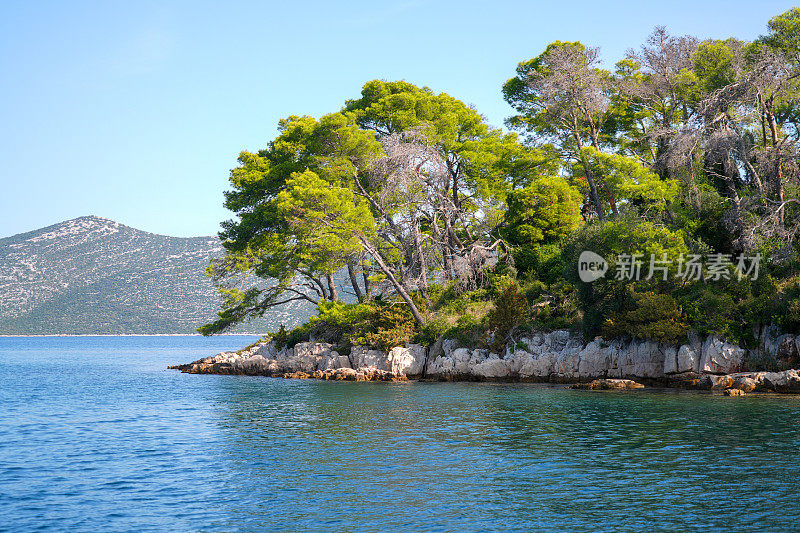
x=679, y=168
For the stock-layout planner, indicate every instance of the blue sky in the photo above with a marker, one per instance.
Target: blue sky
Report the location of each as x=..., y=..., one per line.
x=136, y=111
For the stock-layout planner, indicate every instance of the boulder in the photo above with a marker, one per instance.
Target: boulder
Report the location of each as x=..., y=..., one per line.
x=609, y=384
x=297, y=375
x=787, y=381
x=687, y=359
x=734, y=392
x=306, y=357
x=492, y=367
x=786, y=350
x=362, y=356
x=469, y=360
x=745, y=383
x=331, y=360
x=407, y=361
x=440, y=367
x=516, y=360
x=537, y=365
x=461, y=363
x=721, y=357
x=593, y=360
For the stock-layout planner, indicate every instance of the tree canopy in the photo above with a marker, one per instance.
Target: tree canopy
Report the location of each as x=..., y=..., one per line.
x=685, y=147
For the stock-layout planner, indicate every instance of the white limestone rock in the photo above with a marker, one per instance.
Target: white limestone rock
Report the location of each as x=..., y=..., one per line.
x=466, y=360
x=492, y=367
x=745, y=383
x=517, y=360
x=440, y=366
x=567, y=361
x=787, y=381
x=767, y=339
x=266, y=349
x=331, y=360
x=721, y=357
x=556, y=341
x=648, y=361
x=449, y=346
x=787, y=349
x=593, y=360
x=407, y=361
x=363, y=357
x=687, y=359
x=460, y=363
x=537, y=365
x=308, y=356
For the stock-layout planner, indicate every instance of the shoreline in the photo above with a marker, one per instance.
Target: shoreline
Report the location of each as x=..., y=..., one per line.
x=558, y=357
x=132, y=335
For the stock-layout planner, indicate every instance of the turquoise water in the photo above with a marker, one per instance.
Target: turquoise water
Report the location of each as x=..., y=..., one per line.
x=95, y=435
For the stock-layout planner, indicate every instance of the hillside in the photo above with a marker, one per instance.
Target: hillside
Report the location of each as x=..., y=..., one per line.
x=92, y=275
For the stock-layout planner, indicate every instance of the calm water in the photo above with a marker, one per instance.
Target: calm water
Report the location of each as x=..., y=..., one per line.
x=95, y=435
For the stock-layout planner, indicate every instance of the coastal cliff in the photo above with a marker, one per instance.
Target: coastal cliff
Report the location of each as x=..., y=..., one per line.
x=556, y=357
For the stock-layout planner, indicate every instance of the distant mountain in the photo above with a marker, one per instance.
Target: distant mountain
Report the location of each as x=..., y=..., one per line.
x=91, y=275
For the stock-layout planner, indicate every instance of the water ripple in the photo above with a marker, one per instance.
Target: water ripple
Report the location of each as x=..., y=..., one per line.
x=95, y=434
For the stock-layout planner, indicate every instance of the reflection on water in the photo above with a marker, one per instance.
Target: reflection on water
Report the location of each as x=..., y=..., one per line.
x=95, y=433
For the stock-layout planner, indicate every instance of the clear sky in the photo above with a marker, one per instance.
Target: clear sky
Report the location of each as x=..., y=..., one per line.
x=136, y=111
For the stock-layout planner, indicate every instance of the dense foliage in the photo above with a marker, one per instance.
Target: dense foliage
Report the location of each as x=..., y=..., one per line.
x=680, y=168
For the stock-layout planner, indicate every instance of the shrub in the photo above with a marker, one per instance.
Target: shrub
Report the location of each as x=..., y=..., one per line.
x=544, y=263
x=280, y=337
x=510, y=310
x=380, y=325
x=468, y=331
x=608, y=297
x=431, y=331
x=392, y=325
x=340, y=323
x=655, y=316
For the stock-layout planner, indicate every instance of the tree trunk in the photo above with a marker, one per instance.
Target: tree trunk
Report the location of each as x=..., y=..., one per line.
x=446, y=248
x=423, y=266
x=367, y=286
x=778, y=177
x=322, y=290
x=598, y=207
x=334, y=294
x=354, y=282
x=398, y=286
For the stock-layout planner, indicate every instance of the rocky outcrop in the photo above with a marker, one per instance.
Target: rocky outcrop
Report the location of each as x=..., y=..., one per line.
x=609, y=384
x=786, y=381
x=558, y=356
x=734, y=392
x=721, y=357
x=362, y=374
x=315, y=359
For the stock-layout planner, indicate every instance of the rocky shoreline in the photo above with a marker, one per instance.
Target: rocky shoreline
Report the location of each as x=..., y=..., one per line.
x=555, y=357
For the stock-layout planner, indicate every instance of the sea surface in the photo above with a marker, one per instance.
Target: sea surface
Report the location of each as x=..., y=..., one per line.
x=97, y=435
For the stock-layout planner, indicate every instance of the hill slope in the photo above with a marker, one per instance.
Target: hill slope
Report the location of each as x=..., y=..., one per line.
x=91, y=275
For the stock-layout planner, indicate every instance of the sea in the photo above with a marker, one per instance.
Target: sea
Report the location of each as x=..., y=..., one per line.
x=96, y=434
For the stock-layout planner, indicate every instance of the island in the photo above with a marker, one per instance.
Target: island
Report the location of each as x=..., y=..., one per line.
x=638, y=223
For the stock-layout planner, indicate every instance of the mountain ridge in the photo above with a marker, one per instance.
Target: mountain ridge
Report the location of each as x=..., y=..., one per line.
x=92, y=275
